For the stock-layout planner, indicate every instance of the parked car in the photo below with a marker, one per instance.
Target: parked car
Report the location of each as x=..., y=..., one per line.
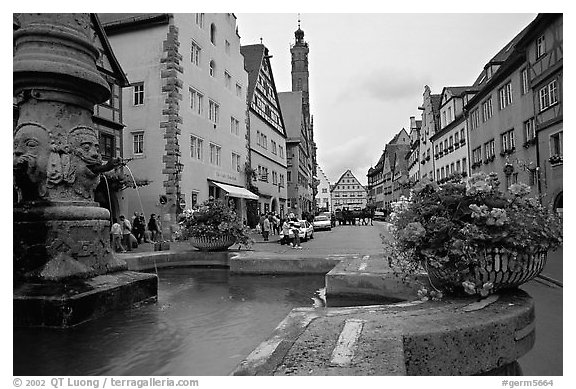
x=322, y=222
x=379, y=215
x=306, y=231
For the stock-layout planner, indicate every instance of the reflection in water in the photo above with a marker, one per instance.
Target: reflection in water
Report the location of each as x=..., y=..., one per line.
x=205, y=322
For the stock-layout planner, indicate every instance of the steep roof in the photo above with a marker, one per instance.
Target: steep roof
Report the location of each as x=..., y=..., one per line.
x=253, y=56
x=116, y=22
x=291, y=105
x=114, y=64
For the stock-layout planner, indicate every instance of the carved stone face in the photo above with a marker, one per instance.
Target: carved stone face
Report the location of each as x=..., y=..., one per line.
x=31, y=152
x=85, y=145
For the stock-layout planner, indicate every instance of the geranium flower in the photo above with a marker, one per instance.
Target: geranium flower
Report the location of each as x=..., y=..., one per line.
x=519, y=189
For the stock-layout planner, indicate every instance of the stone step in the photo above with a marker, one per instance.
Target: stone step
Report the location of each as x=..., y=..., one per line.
x=452, y=337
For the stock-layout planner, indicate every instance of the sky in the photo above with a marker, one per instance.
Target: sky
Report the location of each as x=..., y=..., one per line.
x=368, y=70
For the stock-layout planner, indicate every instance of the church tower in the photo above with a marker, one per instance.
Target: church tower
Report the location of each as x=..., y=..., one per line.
x=299, y=51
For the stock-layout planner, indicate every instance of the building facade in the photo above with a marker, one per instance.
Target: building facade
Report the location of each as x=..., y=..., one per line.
x=413, y=156
x=267, y=133
x=542, y=45
x=430, y=125
x=389, y=180
x=449, y=142
x=186, y=109
x=348, y=193
x=323, y=199
x=498, y=116
x=299, y=174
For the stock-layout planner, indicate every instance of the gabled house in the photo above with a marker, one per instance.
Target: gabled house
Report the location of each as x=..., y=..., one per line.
x=348, y=193
x=266, y=134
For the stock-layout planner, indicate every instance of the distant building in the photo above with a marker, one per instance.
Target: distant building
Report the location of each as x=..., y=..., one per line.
x=323, y=199
x=413, y=155
x=186, y=109
x=299, y=157
x=430, y=125
x=449, y=141
x=348, y=193
x=388, y=180
x=266, y=133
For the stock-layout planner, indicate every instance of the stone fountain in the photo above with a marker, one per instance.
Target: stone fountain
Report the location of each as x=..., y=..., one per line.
x=65, y=272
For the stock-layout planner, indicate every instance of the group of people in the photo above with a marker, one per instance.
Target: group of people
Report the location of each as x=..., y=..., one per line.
x=127, y=234
x=273, y=224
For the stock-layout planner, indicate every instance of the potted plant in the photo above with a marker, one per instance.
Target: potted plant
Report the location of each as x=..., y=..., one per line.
x=468, y=235
x=214, y=226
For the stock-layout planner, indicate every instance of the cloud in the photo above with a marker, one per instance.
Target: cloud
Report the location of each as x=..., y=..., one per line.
x=393, y=84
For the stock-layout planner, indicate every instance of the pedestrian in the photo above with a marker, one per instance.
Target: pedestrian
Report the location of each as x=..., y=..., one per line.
x=277, y=224
x=285, y=232
x=126, y=231
x=116, y=231
x=159, y=233
x=138, y=228
x=266, y=228
x=295, y=226
x=153, y=228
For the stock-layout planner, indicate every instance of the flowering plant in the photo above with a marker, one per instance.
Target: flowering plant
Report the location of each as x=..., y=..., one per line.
x=213, y=219
x=446, y=226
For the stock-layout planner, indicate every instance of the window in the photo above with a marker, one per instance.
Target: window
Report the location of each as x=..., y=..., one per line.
x=442, y=174
x=196, y=101
x=540, y=46
x=462, y=137
x=449, y=114
x=234, y=126
x=487, y=109
x=138, y=93
x=227, y=47
x=451, y=168
x=548, y=95
x=458, y=166
x=289, y=176
x=464, y=166
x=474, y=119
x=444, y=119
x=238, y=90
x=235, y=161
x=556, y=144
x=505, y=94
x=264, y=141
x=511, y=179
x=196, y=146
x=138, y=142
x=529, y=130
x=274, y=150
x=212, y=68
x=533, y=177
x=227, y=80
x=274, y=178
x=215, y=152
x=281, y=151
x=195, y=54
x=441, y=148
x=200, y=20
x=456, y=138
x=508, y=141
x=490, y=149
x=282, y=180
x=107, y=147
x=213, y=34
x=214, y=112
x=477, y=155
x=524, y=81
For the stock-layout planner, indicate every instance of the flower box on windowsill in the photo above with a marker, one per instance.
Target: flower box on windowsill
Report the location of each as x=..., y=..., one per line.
x=428, y=158
x=555, y=159
x=462, y=141
x=529, y=143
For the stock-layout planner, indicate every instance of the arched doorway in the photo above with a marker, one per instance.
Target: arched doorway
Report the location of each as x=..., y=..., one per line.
x=559, y=204
x=274, y=207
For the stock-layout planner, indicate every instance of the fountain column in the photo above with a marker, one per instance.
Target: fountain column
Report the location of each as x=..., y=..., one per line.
x=61, y=235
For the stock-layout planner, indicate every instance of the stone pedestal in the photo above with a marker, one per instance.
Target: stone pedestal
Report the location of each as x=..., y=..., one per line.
x=61, y=237
x=61, y=305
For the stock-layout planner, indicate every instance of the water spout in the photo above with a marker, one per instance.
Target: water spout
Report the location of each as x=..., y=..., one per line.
x=109, y=198
x=137, y=191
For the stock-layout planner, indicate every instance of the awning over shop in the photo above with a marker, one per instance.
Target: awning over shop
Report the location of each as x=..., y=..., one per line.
x=236, y=191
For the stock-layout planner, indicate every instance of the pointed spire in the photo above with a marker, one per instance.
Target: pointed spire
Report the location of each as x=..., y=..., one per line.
x=299, y=34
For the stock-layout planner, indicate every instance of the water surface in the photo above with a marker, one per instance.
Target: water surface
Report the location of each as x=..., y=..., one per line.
x=205, y=322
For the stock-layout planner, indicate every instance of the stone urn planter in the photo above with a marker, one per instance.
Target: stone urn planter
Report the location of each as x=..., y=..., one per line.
x=211, y=243
x=495, y=266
